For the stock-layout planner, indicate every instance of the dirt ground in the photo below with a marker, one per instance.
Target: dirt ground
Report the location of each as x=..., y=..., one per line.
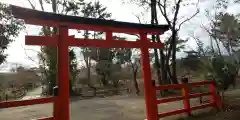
x=121, y=108
x=117, y=108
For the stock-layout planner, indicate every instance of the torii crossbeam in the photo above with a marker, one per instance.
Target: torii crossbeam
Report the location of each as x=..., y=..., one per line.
x=62, y=41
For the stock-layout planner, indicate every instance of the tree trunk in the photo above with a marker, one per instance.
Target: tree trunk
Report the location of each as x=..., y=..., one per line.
x=116, y=86
x=167, y=59
x=135, y=82
x=169, y=74
x=156, y=39
x=218, y=47
x=53, y=58
x=174, y=46
x=88, y=64
x=89, y=74
x=163, y=66
x=104, y=81
x=157, y=67
x=153, y=16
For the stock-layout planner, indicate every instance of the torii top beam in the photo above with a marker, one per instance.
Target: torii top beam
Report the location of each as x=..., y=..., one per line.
x=51, y=19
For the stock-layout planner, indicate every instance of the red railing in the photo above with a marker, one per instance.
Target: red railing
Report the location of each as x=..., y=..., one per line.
x=19, y=103
x=214, y=99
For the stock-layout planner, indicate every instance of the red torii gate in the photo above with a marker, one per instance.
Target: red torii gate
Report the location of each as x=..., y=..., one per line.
x=62, y=41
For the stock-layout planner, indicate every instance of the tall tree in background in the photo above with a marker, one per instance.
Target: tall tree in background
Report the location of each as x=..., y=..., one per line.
x=73, y=68
x=227, y=31
x=170, y=11
x=94, y=10
x=9, y=29
x=211, y=33
x=135, y=64
x=215, y=15
x=223, y=29
x=161, y=77
x=48, y=55
x=129, y=57
x=167, y=7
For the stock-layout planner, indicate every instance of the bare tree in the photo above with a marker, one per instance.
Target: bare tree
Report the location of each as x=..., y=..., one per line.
x=173, y=20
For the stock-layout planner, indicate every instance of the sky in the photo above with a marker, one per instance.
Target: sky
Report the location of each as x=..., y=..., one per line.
x=19, y=54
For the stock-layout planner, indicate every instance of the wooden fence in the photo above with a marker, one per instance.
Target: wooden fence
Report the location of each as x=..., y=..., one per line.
x=186, y=96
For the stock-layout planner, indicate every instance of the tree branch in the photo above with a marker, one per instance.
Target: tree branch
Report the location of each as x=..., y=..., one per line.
x=28, y=55
x=163, y=10
x=211, y=35
x=188, y=19
x=200, y=48
x=33, y=7
x=139, y=20
x=64, y=2
x=41, y=4
x=176, y=13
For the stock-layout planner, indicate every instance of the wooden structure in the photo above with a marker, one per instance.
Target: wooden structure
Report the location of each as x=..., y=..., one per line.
x=62, y=41
x=186, y=96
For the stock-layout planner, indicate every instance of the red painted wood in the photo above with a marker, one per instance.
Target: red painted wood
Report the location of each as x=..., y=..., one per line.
x=199, y=94
x=106, y=44
x=170, y=99
x=41, y=40
x=52, y=41
x=202, y=106
x=113, y=43
x=214, y=98
x=219, y=103
x=171, y=86
x=169, y=113
x=150, y=97
x=109, y=36
x=185, y=94
x=212, y=91
x=199, y=83
x=63, y=73
x=26, y=102
x=92, y=27
x=48, y=118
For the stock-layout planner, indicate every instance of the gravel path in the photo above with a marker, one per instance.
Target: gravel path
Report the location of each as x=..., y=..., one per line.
x=36, y=93
x=117, y=108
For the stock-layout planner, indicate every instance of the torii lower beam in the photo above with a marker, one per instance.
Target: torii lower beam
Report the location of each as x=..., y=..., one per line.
x=71, y=41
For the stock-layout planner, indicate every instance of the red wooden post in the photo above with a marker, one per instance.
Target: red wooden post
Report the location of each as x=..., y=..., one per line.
x=214, y=98
x=56, y=103
x=185, y=93
x=219, y=103
x=150, y=97
x=109, y=36
x=63, y=73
